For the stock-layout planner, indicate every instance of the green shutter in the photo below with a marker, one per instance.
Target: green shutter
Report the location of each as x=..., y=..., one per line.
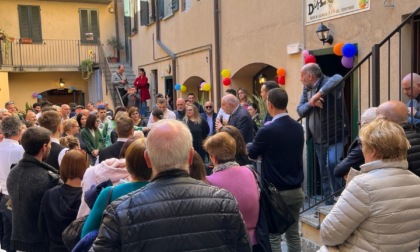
x=175, y=5
x=36, y=24
x=24, y=21
x=144, y=12
x=89, y=23
x=84, y=25
x=94, y=19
x=161, y=9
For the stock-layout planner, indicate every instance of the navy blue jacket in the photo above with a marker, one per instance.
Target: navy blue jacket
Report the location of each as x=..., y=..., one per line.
x=280, y=144
x=204, y=117
x=242, y=120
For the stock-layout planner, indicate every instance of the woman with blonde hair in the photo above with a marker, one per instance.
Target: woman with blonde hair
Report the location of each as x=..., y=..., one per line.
x=199, y=129
x=239, y=180
x=243, y=97
x=72, y=128
x=60, y=204
x=379, y=209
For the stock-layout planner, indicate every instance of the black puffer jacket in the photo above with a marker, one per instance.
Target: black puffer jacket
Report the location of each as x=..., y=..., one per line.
x=173, y=213
x=413, y=154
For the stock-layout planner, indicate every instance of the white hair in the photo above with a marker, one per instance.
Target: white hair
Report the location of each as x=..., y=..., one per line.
x=168, y=145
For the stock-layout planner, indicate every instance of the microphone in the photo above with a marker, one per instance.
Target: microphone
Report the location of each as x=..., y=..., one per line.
x=221, y=119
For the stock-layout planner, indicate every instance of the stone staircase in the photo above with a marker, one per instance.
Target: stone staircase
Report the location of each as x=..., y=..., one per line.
x=310, y=224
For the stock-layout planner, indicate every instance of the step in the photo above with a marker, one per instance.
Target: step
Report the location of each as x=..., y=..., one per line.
x=324, y=211
x=310, y=227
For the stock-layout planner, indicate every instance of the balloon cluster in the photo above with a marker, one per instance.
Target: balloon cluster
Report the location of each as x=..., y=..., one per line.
x=204, y=86
x=348, y=51
x=226, y=77
x=281, y=76
x=71, y=89
x=180, y=87
x=307, y=57
x=36, y=95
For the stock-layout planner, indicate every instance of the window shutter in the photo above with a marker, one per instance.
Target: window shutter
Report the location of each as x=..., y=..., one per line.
x=36, y=24
x=144, y=13
x=84, y=25
x=161, y=8
x=24, y=21
x=94, y=20
x=175, y=5
x=153, y=10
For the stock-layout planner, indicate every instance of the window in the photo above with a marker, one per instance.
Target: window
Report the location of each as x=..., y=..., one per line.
x=30, y=22
x=166, y=7
x=135, y=20
x=144, y=12
x=185, y=5
x=89, y=26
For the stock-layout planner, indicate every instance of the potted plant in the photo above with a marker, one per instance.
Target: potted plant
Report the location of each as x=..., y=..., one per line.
x=88, y=65
x=116, y=45
x=7, y=42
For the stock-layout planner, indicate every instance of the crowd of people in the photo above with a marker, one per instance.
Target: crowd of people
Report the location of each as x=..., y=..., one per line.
x=184, y=180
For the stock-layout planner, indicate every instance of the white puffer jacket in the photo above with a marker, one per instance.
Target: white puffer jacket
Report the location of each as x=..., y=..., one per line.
x=378, y=211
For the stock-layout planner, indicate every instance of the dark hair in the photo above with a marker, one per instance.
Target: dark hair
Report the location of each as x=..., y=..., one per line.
x=132, y=110
x=45, y=104
x=191, y=94
x=231, y=91
x=34, y=138
x=159, y=95
x=124, y=126
x=197, y=168
x=135, y=162
x=36, y=104
x=278, y=97
x=73, y=165
x=127, y=144
x=255, y=106
x=90, y=121
x=50, y=120
x=79, y=119
x=142, y=69
x=241, y=155
x=270, y=85
x=158, y=113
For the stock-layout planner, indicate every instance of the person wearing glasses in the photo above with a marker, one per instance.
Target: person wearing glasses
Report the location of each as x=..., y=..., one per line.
x=71, y=128
x=210, y=117
x=92, y=138
x=11, y=107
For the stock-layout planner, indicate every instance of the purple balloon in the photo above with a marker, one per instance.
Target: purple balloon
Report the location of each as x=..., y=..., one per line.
x=305, y=53
x=347, y=61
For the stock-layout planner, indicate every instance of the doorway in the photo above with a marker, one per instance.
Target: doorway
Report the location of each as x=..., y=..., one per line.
x=63, y=96
x=169, y=93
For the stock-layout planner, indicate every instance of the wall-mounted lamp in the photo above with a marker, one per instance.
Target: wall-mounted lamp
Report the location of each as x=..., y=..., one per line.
x=111, y=9
x=324, y=34
x=262, y=78
x=61, y=83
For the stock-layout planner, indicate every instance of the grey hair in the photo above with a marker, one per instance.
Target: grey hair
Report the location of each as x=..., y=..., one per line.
x=313, y=68
x=11, y=126
x=368, y=116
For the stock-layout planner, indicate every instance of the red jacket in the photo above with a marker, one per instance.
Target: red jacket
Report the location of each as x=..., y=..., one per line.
x=141, y=83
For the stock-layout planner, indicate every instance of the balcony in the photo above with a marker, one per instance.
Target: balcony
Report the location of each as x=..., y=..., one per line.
x=82, y=1
x=49, y=55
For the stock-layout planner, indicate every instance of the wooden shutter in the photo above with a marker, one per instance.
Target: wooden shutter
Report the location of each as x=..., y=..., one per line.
x=24, y=21
x=94, y=20
x=89, y=23
x=161, y=8
x=30, y=22
x=36, y=24
x=144, y=12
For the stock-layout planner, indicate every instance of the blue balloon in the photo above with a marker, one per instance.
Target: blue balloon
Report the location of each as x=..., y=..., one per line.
x=178, y=87
x=71, y=88
x=349, y=50
x=39, y=96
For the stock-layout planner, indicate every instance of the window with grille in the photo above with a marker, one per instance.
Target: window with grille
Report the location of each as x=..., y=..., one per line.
x=89, y=26
x=30, y=22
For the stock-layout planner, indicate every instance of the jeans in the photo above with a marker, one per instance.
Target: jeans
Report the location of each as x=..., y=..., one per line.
x=143, y=108
x=6, y=224
x=294, y=200
x=328, y=157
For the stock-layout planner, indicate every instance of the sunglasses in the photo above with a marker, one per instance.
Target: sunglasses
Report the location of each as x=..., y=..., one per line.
x=209, y=107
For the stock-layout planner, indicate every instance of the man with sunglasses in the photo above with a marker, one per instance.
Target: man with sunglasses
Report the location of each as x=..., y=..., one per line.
x=11, y=107
x=210, y=117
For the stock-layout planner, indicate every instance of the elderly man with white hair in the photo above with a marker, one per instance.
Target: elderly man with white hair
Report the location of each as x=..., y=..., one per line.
x=410, y=85
x=173, y=212
x=239, y=117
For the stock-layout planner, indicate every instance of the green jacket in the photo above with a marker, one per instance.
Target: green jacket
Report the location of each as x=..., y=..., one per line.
x=92, y=142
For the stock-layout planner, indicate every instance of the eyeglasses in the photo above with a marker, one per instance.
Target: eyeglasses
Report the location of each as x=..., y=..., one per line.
x=209, y=107
x=98, y=121
x=189, y=110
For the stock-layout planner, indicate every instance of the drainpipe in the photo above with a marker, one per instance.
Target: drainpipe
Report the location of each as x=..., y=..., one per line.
x=164, y=47
x=216, y=85
x=116, y=24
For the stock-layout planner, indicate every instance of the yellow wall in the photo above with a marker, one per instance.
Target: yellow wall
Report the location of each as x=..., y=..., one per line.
x=4, y=88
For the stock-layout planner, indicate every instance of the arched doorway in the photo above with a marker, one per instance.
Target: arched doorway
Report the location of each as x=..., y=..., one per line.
x=63, y=96
x=193, y=86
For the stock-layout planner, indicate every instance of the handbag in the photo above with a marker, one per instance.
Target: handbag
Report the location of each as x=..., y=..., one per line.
x=72, y=234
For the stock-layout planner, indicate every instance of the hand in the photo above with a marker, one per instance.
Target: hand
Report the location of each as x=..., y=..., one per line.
x=218, y=124
x=95, y=153
x=314, y=99
x=409, y=111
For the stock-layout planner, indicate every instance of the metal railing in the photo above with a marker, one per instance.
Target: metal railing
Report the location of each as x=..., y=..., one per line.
x=373, y=81
x=53, y=53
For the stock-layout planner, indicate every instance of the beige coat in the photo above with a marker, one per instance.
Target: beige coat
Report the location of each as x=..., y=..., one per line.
x=378, y=211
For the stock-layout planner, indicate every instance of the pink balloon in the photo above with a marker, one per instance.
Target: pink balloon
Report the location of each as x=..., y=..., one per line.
x=310, y=59
x=305, y=53
x=347, y=61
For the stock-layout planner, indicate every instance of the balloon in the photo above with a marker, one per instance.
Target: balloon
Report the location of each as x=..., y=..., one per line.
x=305, y=53
x=34, y=95
x=349, y=50
x=225, y=73
x=310, y=59
x=39, y=96
x=337, y=49
x=177, y=86
x=281, y=72
x=206, y=87
x=281, y=80
x=69, y=91
x=183, y=88
x=347, y=61
x=226, y=81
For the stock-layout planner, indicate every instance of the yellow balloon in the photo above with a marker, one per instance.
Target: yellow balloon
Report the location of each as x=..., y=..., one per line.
x=225, y=73
x=183, y=88
x=206, y=87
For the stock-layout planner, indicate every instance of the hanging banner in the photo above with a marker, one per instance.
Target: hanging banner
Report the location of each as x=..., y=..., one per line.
x=321, y=10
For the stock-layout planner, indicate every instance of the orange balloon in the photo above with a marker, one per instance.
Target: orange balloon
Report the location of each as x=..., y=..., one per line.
x=337, y=49
x=281, y=72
